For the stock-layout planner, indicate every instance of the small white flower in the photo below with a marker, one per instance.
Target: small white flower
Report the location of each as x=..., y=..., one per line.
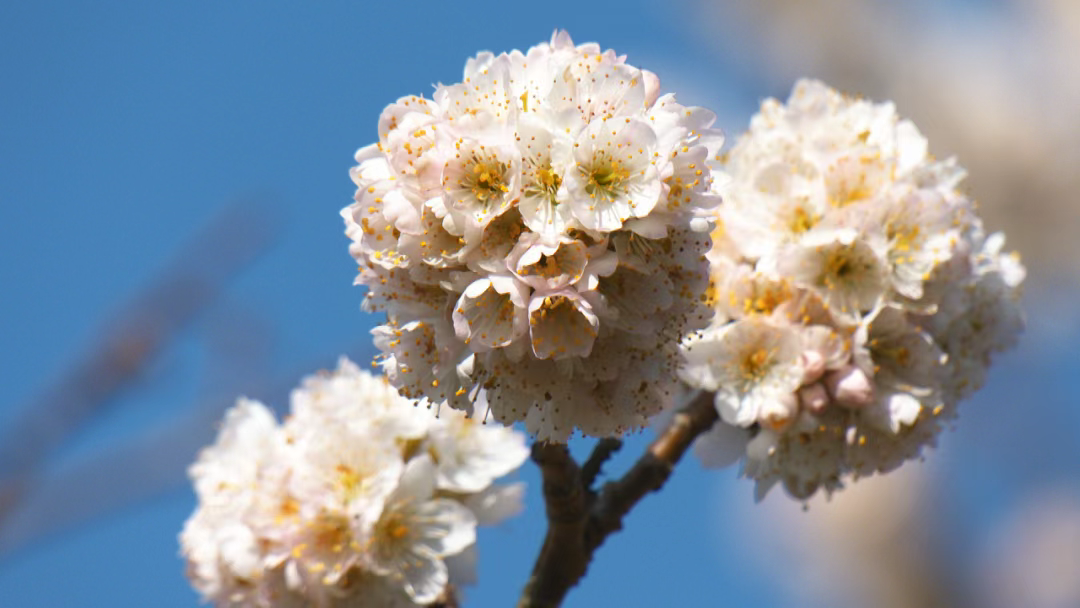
x=614, y=178
x=492, y=312
x=470, y=454
x=753, y=367
x=562, y=325
x=845, y=268
x=416, y=530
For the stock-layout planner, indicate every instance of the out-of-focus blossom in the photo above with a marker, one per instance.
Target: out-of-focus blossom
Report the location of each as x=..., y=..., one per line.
x=992, y=82
x=1036, y=556
x=879, y=543
x=536, y=235
x=355, y=498
x=857, y=296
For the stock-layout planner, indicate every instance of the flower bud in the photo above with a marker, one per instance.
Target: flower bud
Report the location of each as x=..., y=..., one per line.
x=777, y=414
x=813, y=365
x=814, y=398
x=850, y=387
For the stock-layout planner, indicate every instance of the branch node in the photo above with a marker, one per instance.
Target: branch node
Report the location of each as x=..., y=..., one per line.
x=579, y=520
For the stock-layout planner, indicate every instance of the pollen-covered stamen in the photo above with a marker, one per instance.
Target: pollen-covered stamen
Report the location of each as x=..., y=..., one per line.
x=614, y=178
x=802, y=219
x=751, y=364
x=845, y=267
x=392, y=534
x=541, y=180
x=485, y=179
x=562, y=325
x=351, y=482
x=767, y=298
x=855, y=178
x=326, y=548
x=540, y=204
x=904, y=238
x=605, y=176
x=754, y=363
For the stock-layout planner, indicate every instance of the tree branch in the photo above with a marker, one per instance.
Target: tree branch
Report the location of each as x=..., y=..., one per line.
x=579, y=519
x=602, y=451
x=651, y=471
x=563, y=557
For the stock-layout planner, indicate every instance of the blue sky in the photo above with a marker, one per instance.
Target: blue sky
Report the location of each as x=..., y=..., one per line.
x=127, y=126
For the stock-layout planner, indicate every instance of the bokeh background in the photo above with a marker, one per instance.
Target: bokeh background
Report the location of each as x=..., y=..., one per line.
x=170, y=180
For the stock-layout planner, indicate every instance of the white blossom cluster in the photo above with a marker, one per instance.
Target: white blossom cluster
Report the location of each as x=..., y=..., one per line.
x=538, y=233
x=359, y=499
x=857, y=296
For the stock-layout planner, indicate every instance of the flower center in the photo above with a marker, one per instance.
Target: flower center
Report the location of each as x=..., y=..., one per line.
x=766, y=298
x=802, y=220
x=392, y=531
x=842, y=267
x=352, y=482
x=485, y=179
x=755, y=364
x=542, y=182
x=606, y=176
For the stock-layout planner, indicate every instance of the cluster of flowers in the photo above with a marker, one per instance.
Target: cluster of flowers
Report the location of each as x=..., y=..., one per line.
x=538, y=233
x=857, y=295
x=359, y=499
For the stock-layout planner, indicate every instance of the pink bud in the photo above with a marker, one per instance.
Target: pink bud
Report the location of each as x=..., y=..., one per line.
x=813, y=365
x=814, y=398
x=850, y=387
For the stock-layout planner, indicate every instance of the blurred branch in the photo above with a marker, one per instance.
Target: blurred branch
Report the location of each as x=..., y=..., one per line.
x=143, y=328
x=152, y=462
x=580, y=519
x=602, y=452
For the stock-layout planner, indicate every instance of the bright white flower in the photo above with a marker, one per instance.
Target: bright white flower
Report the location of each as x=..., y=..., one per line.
x=753, y=367
x=344, y=505
x=845, y=269
x=418, y=529
x=841, y=234
x=238, y=481
x=470, y=453
x=537, y=233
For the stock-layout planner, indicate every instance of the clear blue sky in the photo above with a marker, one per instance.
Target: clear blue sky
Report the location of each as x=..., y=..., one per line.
x=127, y=125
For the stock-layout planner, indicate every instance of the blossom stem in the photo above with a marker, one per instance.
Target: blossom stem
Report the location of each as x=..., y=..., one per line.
x=580, y=519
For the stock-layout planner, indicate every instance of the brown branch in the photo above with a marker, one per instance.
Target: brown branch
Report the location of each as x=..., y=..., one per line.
x=448, y=599
x=651, y=471
x=602, y=452
x=563, y=557
x=579, y=520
